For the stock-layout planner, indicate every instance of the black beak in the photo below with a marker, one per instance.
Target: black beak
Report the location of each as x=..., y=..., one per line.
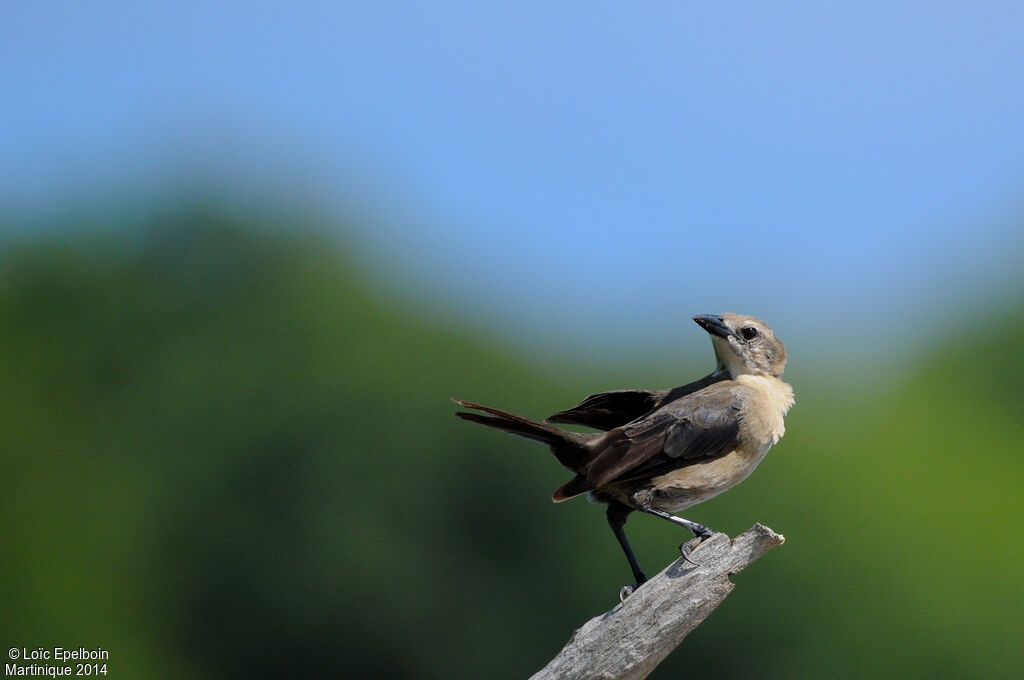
x=713, y=324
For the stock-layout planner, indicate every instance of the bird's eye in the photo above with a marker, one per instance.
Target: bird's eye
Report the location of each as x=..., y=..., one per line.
x=748, y=333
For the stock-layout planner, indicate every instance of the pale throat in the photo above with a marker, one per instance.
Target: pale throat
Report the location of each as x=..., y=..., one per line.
x=778, y=399
x=727, y=357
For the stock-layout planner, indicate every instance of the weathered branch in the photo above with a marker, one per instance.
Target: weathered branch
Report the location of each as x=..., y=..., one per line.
x=627, y=642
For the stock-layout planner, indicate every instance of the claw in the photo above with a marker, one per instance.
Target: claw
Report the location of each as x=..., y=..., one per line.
x=686, y=548
x=626, y=591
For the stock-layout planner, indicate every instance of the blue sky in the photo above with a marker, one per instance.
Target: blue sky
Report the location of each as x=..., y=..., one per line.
x=573, y=170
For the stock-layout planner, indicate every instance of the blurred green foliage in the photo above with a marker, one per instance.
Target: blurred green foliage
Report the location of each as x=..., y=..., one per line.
x=224, y=454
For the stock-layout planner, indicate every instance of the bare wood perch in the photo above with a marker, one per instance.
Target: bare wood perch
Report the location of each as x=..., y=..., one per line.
x=627, y=642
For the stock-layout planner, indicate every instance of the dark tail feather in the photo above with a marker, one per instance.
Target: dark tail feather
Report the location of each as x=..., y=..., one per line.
x=574, y=487
x=567, y=446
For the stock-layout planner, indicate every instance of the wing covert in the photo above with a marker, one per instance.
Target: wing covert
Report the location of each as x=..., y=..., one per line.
x=684, y=432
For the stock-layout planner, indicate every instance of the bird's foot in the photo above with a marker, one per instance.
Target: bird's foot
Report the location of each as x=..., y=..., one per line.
x=626, y=591
x=703, y=533
x=700, y=531
x=686, y=548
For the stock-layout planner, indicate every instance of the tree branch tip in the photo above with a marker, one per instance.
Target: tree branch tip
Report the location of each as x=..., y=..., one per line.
x=766, y=534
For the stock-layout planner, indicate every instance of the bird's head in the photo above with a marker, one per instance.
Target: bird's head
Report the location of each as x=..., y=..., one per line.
x=744, y=345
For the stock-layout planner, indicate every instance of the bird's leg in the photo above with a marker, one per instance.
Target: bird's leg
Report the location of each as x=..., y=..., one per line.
x=699, y=530
x=617, y=514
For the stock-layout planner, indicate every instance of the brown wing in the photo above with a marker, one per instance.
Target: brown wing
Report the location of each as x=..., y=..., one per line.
x=694, y=428
x=608, y=410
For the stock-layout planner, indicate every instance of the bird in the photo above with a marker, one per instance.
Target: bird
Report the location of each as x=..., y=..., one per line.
x=659, y=452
